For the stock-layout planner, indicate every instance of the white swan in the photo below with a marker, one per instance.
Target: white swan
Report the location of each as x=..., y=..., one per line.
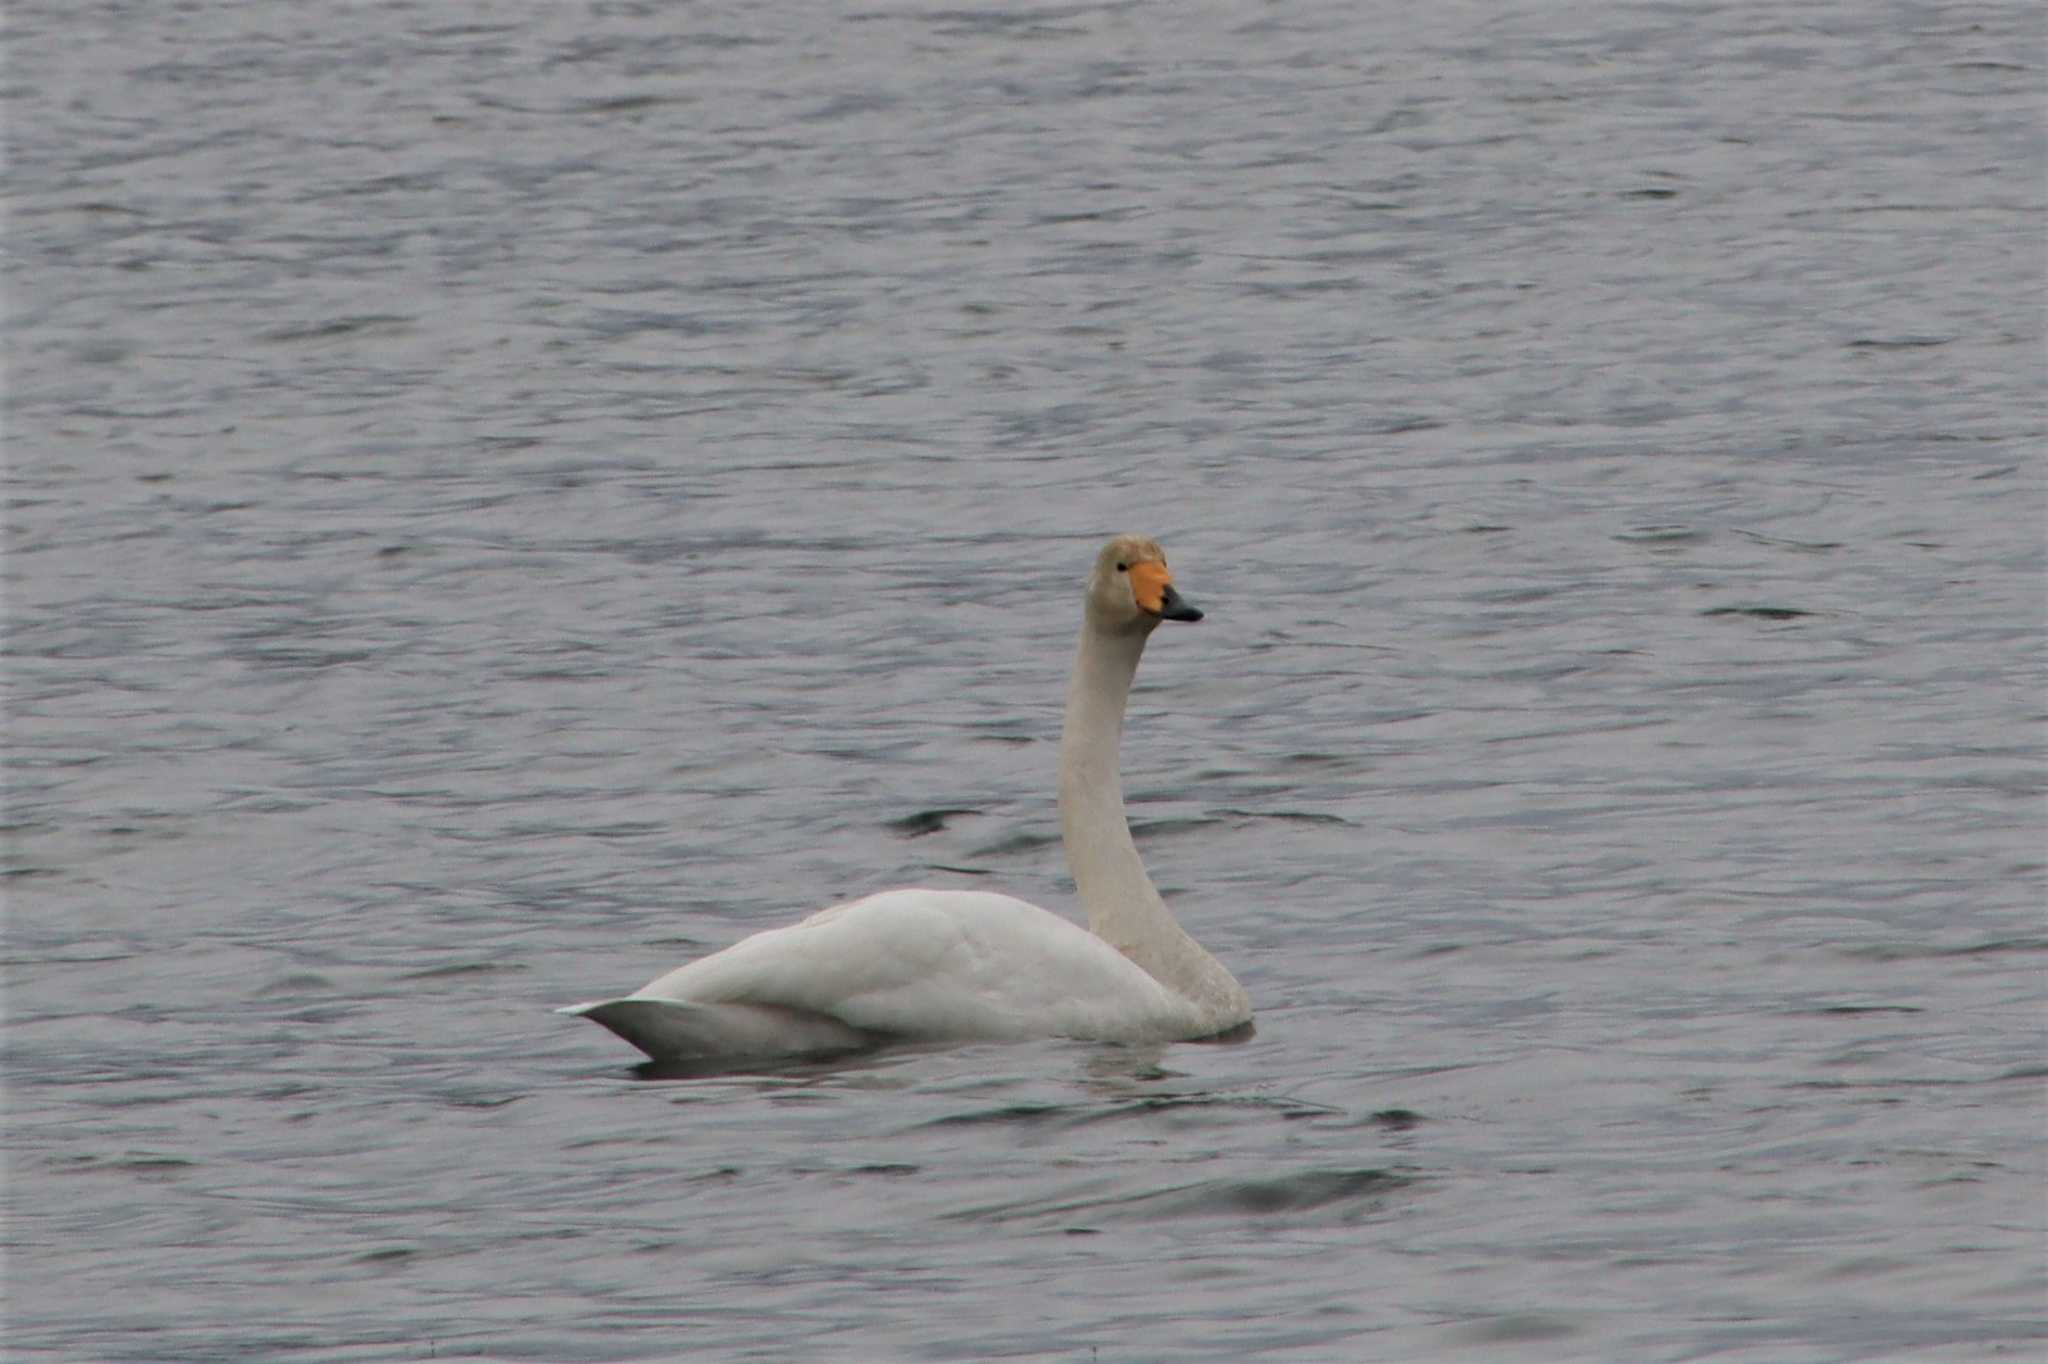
x=963, y=965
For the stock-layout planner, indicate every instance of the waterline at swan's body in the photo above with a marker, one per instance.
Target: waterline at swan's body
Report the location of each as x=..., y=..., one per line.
x=956, y=965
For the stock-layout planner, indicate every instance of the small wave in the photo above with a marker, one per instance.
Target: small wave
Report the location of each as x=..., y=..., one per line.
x=1355, y=1192
x=926, y=821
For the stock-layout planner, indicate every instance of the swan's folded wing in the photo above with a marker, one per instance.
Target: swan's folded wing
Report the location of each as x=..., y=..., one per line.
x=938, y=964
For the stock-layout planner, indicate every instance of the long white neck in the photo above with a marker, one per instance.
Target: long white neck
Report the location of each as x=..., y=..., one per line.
x=1123, y=908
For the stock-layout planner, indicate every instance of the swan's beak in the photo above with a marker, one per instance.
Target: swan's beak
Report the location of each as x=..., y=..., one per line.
x=1172, y=606
x=1152, y=588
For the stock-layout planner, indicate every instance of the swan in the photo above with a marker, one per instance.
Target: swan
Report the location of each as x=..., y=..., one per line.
x=934, y=965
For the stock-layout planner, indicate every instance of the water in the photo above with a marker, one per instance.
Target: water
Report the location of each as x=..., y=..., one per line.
x=505, y=499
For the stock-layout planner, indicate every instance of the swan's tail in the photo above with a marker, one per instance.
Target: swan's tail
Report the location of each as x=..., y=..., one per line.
x=668, y=1030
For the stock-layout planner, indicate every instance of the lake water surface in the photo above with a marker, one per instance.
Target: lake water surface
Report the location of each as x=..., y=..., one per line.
x=505, y=499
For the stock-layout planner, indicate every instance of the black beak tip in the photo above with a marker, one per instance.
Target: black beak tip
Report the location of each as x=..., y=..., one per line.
x=1172, y=606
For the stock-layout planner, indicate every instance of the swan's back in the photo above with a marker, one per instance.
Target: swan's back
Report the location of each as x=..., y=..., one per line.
x=939, y=965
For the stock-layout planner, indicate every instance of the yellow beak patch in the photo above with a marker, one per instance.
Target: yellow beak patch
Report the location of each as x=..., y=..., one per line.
x=1149, y=582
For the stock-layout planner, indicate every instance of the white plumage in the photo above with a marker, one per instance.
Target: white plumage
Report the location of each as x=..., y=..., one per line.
x=962, y=965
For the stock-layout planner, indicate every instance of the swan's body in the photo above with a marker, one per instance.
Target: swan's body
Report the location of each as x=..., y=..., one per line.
x=962, y=965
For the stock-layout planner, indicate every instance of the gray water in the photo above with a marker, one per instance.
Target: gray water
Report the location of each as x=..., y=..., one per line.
x=505, y=499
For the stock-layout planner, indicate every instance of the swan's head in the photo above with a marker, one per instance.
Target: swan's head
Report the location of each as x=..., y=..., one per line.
x=1131, y=589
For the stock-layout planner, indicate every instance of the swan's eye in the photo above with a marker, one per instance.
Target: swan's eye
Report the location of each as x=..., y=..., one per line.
x=1123, y=568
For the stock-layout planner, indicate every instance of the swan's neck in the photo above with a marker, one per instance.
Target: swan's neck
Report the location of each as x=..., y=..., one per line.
x=1123, y=907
